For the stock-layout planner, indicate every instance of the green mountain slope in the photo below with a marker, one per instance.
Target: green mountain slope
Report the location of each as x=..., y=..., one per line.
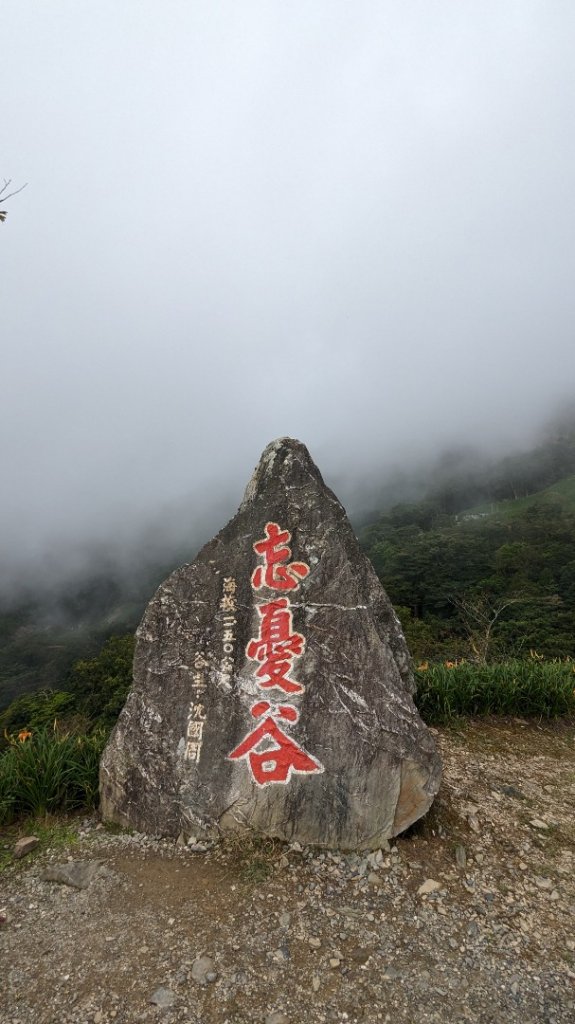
x=561, y=493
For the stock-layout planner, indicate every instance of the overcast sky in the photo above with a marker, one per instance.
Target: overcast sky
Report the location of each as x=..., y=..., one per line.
x=349, y=222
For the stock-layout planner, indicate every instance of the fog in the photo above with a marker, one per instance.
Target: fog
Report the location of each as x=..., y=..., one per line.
x=350, y=223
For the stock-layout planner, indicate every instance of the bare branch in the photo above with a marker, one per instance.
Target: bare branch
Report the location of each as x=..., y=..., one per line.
x=479, y=613
x=7, y=183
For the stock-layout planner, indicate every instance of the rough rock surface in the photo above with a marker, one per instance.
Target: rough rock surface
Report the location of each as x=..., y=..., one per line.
x=272, y=684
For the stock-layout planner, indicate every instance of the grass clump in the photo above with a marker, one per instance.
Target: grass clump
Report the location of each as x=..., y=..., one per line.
x=252, y=855
x=47, y=771
x=527, y=689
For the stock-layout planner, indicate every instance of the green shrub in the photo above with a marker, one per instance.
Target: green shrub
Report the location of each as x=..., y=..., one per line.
x=101, y=684
x=531, y=688
x=36, y=711
x=47, y=772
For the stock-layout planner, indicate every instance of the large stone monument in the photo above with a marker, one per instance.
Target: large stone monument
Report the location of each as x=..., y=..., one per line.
x=272, y=684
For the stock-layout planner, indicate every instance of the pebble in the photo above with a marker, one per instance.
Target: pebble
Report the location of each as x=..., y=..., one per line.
x=429, y=886
x=203, y=970
x=460, y=856
x=391, y=974
x=163, y=997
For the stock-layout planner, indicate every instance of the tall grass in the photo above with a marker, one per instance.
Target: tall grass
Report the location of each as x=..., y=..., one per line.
x=46, y=772
x=528, y=689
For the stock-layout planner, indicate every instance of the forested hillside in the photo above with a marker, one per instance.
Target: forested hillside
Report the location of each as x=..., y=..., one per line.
x=484, y=566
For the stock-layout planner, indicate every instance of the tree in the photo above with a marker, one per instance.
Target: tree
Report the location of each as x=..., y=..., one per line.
x=480, y=612
x=4, y=188
x=101, y=684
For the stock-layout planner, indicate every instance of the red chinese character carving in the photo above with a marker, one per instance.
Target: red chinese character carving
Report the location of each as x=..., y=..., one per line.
x=276, y=646
x=273, y=574
x=274, y=764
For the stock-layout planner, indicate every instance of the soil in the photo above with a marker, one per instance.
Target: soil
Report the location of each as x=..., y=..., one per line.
x=297, y=936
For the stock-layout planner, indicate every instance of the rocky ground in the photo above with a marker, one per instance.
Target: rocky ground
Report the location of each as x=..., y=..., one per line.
x=469, y=917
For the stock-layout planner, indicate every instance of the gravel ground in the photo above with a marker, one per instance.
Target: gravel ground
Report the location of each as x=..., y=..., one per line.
x=253, y=931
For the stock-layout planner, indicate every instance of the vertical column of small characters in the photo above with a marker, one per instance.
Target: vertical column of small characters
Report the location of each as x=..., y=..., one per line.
x=228, y=605
x=197, y=711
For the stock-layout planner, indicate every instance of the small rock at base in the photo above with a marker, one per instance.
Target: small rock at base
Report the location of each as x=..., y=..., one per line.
x=430, y=885
x=25, y=845
x=277, y=1017
x=390, y=974
x=77, y=873
x=460, y=856
x=163, y=997
x=203, y=970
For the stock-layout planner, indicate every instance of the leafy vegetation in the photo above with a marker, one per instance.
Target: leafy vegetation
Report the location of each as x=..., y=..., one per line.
x=53, y=740
x=529, y=689
x=49, y=771
x=504, y=584
x=96, y=691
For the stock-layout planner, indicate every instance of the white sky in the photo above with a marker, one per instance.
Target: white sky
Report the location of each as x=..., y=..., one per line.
x=349, y=222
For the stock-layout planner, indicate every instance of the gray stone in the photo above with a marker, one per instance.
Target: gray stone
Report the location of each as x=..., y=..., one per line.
x=277, y=1017
x=25, y=845
x=203, y=970
x=391, y=974
x=77, y=873
x=543, y=883
x=280, y=701
x=163, y=997
x=460, y=856
x=430, y=885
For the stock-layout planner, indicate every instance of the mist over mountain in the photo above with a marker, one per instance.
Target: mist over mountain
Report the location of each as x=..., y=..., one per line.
x=350, y=224
x=119, y=567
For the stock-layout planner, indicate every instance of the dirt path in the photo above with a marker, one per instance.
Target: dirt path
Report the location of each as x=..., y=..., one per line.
x=297, y=937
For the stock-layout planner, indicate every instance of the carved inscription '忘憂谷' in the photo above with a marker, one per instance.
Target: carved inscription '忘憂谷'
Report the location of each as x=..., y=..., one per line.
x=274, y=651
